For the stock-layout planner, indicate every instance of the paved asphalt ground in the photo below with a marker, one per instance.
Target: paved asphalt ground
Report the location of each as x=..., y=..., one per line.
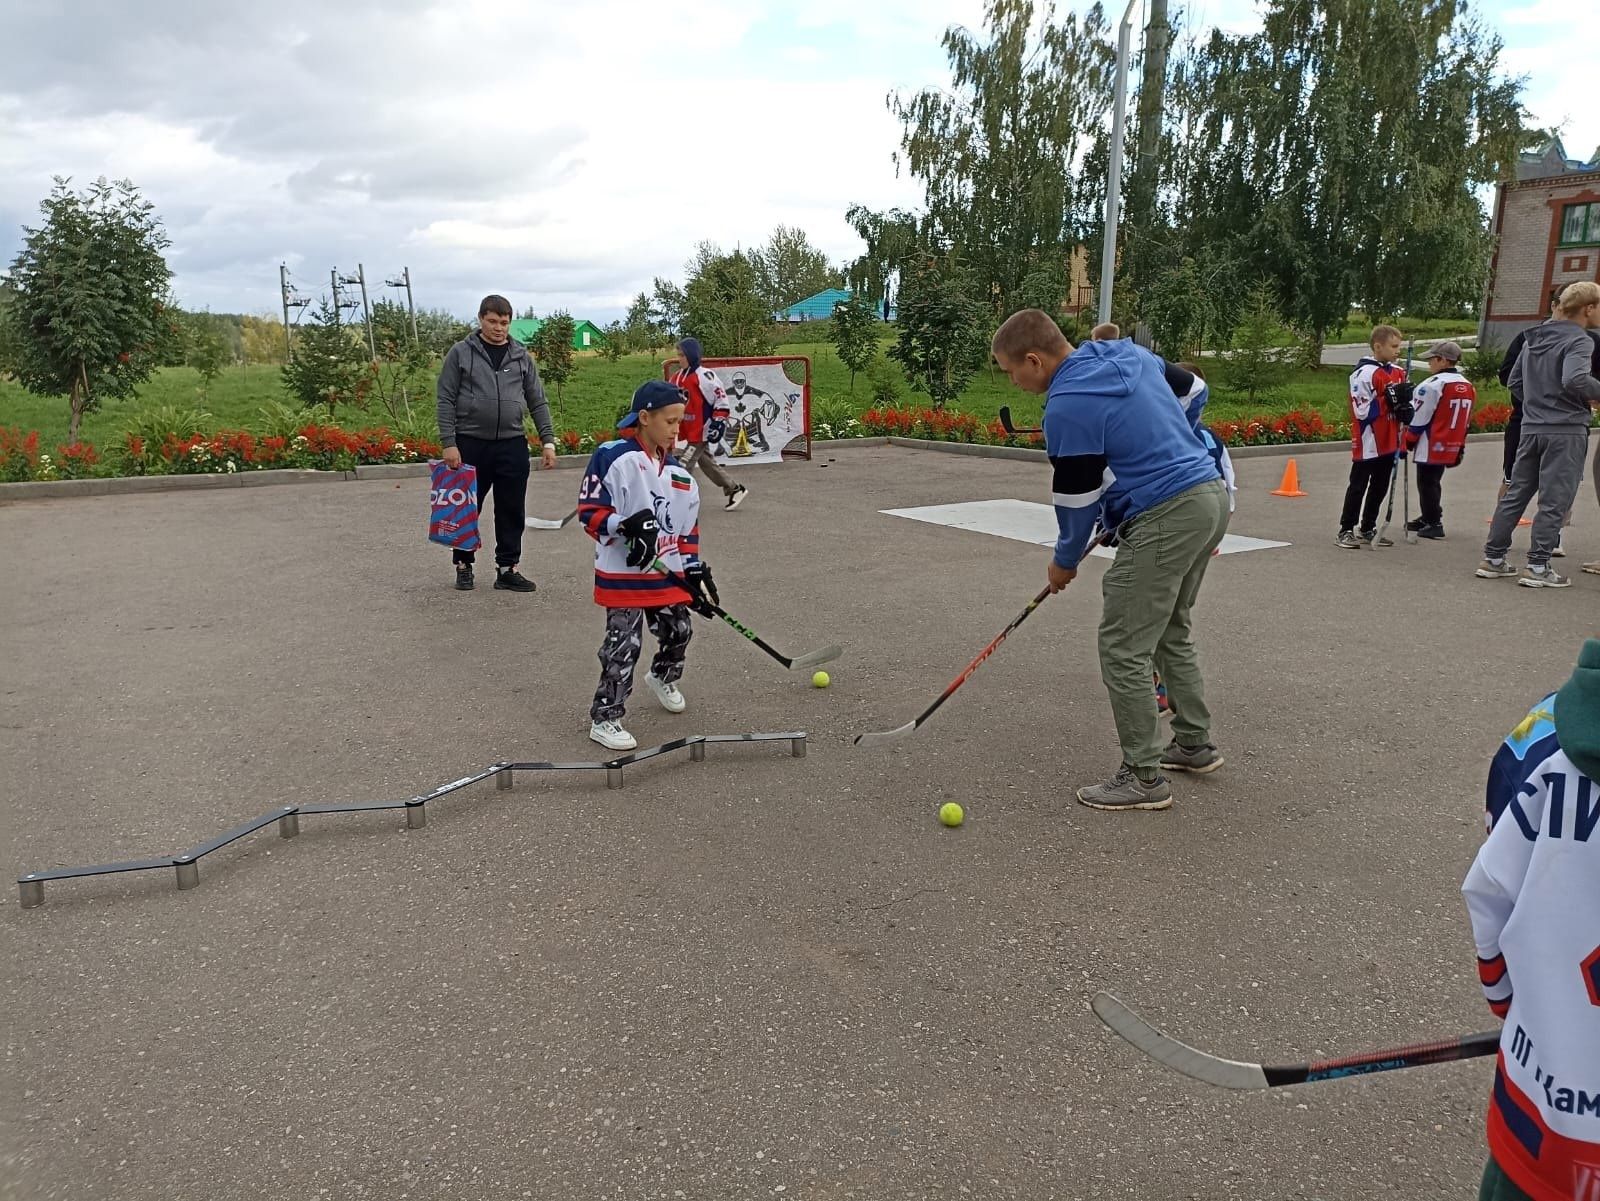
x=756, y=976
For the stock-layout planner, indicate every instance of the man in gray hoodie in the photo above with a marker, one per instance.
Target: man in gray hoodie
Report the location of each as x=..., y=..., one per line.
x=1554, y=376
x=487, y=386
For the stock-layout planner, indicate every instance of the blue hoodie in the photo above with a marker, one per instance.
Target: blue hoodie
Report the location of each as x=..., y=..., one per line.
x=691, y=352
x=1117, y=443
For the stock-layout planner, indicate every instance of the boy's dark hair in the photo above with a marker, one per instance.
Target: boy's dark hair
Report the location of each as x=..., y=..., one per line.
x=1555, y=294
x=1193, y=369
x=1383, y=333
x=494, y=303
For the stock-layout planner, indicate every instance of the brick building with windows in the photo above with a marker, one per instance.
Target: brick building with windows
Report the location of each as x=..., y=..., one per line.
x=1547, y=235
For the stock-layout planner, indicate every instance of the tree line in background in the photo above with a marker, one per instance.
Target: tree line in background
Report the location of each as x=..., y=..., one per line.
x=1332, y=159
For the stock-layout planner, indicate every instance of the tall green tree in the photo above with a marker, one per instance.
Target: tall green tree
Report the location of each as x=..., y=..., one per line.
x=891, y=238
x=855, y=334
x=206, y=350
x=552, y=350
x=725, y=308
x=667, y=304
x=1340, y=151
x=643, y=330
x=330, y=365
x=941, y=327
x=790, y=268
x=438, y=330
x=998, y=151
x=1257, y=363
x=89, y=314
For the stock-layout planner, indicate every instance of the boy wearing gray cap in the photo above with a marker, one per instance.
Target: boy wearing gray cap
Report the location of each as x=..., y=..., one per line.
x=1437, y=437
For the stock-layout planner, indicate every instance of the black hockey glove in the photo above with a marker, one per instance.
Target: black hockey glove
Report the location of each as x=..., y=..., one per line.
x=1398, y=397
x=698, y=578
x=640, y=533
x=716, y=430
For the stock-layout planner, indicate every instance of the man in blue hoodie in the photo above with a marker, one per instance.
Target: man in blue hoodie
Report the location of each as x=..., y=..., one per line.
x=1122, y=452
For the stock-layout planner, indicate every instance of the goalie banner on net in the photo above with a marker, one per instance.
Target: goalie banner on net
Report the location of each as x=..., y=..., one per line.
x=769, y=413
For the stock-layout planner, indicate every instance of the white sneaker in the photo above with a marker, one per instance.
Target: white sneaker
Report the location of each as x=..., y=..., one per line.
x=671, y=699
x=612, y=736
x=736, y=497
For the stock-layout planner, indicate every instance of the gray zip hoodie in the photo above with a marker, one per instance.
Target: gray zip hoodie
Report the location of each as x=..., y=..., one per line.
x=477, y=401
x=1554, y=378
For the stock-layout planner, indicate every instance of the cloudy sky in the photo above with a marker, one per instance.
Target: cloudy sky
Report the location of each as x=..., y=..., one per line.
x=562, y=153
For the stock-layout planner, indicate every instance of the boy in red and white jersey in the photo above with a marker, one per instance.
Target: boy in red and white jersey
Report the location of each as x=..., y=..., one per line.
x=1534, y=898
x=1374, y=439
x=1437, y=436
x=705, y=418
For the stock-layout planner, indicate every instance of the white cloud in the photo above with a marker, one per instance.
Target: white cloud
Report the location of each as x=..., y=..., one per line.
x=563, y=154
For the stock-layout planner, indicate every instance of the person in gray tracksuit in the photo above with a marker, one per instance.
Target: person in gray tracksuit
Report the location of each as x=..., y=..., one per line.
x=1559, y=391
x=488, y=384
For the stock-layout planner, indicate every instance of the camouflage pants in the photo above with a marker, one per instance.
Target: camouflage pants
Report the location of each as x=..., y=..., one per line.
x=620, y=651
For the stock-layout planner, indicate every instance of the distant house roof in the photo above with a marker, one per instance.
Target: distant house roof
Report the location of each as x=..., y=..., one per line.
x=585, y=333
x=1550, y=161
x=818, y=307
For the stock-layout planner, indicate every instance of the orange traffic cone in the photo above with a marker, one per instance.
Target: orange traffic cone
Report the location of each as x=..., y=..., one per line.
x=1291, y=481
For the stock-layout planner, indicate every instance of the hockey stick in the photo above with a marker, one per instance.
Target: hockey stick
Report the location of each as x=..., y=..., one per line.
x=1405, y=463
x=881, y=737
x=1388, y=517
x=1230, y=1073
x=1005, y=423
x=545, y=523
x=810, y=659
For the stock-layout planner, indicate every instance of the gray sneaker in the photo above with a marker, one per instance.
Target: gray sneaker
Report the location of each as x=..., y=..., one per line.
x=1347, y=540
x=1532, y=577
x=1126, y=791
x=1201, y=760
x=1592, y=568
x=1490, y=570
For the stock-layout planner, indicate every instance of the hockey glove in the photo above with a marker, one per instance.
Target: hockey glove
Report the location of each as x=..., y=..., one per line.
x=698, y=578
x=1398, y=397
x=716, y=430
x=639, y=531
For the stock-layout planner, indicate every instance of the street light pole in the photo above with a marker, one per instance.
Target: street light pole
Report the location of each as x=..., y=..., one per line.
x=1119, y=121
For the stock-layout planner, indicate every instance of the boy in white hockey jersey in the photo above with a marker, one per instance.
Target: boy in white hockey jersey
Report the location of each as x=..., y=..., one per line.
x=1436, y=439
x=1534, y=898
x=641, y=506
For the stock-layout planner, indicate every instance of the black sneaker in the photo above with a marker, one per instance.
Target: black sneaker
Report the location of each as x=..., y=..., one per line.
x=509, y=579
x=1434, y=531
x=1415, y=525
x=464, y=577
x=736, y=497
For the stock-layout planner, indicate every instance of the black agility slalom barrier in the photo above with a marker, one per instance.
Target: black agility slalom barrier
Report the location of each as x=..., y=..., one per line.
x=187, y=864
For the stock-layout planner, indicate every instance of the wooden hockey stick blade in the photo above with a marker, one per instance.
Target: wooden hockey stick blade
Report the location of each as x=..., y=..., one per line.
x=1229, y=1073
x=883, y=736
x=1180, y=1057
x=816, y=658
x=545, y=523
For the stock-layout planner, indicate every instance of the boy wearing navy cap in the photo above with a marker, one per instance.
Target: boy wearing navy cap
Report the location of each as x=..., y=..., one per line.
x=642, y=508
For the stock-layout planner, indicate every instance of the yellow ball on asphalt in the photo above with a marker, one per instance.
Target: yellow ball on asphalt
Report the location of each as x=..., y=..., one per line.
x=819, y=680
x=950, y=814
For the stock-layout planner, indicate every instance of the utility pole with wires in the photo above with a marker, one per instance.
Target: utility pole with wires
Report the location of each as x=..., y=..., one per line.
x=359, y=279
x=405, y=282
x=291, y=300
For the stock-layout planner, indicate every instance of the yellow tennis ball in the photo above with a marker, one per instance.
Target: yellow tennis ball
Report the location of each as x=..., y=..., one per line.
x=819, y=679
x=950, y=814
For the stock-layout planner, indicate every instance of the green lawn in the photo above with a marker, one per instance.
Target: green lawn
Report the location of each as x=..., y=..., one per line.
x=598, y=391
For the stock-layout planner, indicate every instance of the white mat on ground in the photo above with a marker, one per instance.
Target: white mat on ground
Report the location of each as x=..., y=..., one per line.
x=1029, y=521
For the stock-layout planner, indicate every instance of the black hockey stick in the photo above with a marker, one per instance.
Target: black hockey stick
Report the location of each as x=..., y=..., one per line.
x=546, y=523
x=1388, y=517
x=881, y=737
x=1230, y=1073
x=810, y=659
x=1005, y=423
